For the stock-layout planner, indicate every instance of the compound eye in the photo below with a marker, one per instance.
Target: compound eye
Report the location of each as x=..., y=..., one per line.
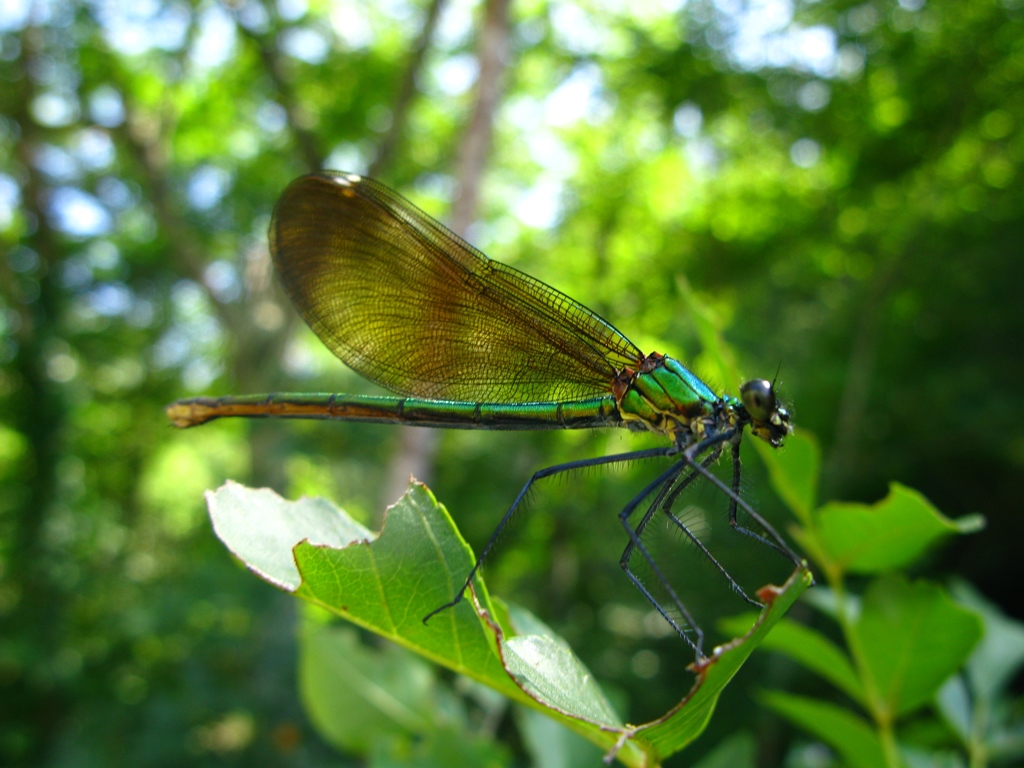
x=759, y=399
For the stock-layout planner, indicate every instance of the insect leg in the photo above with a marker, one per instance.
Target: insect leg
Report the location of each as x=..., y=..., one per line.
x=663, y=482
x=666, y=507
x=540, y=475
x=773, y=540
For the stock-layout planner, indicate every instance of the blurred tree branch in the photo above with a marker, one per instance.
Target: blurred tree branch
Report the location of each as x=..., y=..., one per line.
x=306, y=140
x=415, y=456
x=40, y=415
x=406, y=92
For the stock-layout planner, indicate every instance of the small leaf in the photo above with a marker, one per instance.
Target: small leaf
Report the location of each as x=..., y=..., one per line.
x=814, y=651
x=546, y=668
x=794, y=473
x=841, y=729
x=888, y=535
x=911, y=637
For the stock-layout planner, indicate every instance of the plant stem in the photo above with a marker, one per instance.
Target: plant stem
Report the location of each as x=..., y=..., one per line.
x=873, y=700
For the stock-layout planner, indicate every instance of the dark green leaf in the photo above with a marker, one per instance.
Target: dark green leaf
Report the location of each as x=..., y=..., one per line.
x=737, y=751
x=890, y=534
x=841, y=729
x=911, y=638
x=794, y=473
x=813, y=650
x=442, y=749
x=355, y=694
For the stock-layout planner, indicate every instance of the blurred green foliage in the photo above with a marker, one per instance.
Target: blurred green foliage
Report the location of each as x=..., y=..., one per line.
x=902, y=645
x=838, y=181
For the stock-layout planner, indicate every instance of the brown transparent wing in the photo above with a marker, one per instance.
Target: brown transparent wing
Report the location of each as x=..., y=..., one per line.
x=406, y=303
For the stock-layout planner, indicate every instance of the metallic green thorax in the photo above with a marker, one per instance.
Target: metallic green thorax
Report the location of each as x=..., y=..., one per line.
x=664, y=396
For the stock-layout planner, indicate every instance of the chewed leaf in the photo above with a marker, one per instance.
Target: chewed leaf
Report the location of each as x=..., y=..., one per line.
x=388, y=583
x=250, y=523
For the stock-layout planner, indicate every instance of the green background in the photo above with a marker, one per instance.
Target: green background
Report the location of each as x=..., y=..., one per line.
x=837, y=183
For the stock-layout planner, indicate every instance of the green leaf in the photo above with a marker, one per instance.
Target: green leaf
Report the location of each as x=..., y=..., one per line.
x=1000, y=654
x=686, y=721
x=441, y=749
x=973, y=703
x=355, y=694
x=888, y=535
x=911, y=638
x=841, y=729
x=814, y=651
x=736, y=751
x=565, y=684
x=552, y=745
x=794, y=472
x=245, y=520
x=954, y=704
x=388, y=583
